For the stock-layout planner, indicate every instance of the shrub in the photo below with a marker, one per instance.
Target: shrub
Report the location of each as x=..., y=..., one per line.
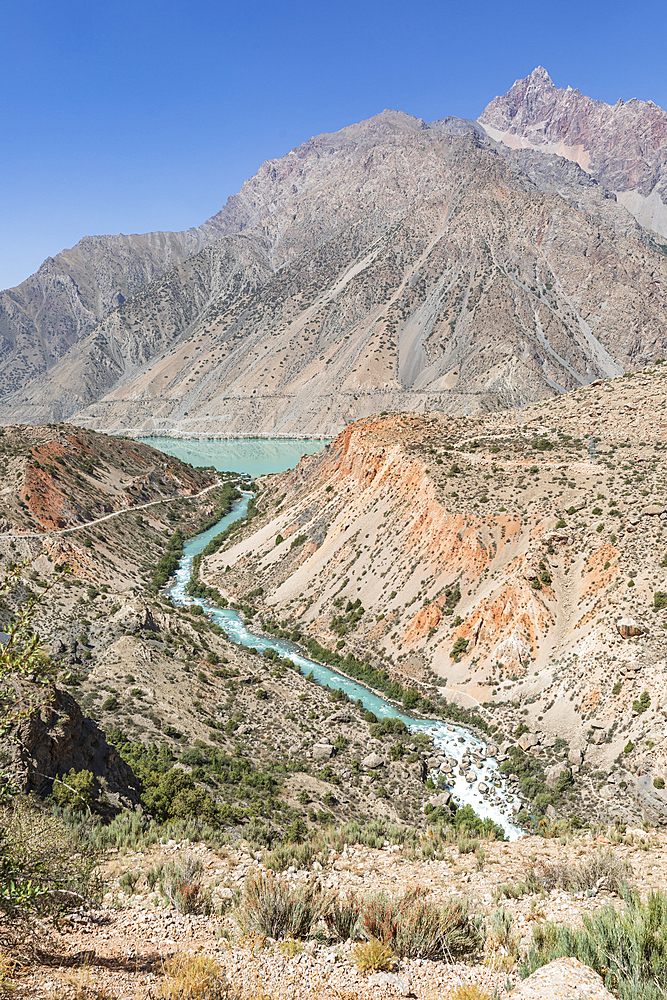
x=181, y=885
x=415, y=928
x=600, y=870
x=342, y=917
x=128, y=882
x=660, y=600
x=641, y=704
x=460, y=646
x=658, y=782
x=74, y=791
x=193, y=977
x=43, y=865
x=373, y=956
x=272, y=907
x=627, y=948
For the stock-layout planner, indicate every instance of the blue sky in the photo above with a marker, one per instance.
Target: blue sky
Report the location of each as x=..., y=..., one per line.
x=133, y=116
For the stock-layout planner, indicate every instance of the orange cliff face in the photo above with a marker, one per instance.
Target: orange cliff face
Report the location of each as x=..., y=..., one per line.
x=439, y=540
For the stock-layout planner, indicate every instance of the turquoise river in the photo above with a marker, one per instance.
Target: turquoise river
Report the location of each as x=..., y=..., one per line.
x=257, y=457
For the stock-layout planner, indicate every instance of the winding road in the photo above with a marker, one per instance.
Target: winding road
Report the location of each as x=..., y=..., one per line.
x=107, y=517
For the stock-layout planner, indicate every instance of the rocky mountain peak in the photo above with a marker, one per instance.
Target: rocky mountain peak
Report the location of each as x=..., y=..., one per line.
x=623, y=146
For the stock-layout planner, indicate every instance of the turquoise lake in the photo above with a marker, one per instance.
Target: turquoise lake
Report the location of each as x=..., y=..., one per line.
x=251, y=456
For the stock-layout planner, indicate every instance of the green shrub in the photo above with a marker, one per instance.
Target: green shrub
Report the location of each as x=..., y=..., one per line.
x=641, y=704
x=74, y=791
x=342, y=917
x=658, y=782
x=460, y=646
x=627, y=948
x=278, y=909
x=660, y=600
x=128, y=882
x=44, y=866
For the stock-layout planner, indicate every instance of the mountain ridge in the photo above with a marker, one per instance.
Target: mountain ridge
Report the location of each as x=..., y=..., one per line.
x=367, y=268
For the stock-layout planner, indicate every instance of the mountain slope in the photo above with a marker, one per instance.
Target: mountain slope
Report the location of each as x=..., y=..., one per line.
x=391, y=265
x=623, y=146
x=51, y=310
x=489, y=559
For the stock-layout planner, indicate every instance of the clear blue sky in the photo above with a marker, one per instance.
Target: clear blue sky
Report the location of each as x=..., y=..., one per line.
x=135, y=115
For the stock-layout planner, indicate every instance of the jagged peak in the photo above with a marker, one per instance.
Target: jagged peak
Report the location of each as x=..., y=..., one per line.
x=539, y=73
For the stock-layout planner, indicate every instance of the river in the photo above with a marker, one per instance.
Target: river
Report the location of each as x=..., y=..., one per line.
x=499, y=803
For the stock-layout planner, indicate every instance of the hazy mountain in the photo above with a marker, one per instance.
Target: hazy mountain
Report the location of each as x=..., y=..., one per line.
x=623, y=146
x=393, y=264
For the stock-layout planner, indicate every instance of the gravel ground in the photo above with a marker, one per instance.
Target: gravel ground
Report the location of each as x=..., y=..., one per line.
x=119, y=950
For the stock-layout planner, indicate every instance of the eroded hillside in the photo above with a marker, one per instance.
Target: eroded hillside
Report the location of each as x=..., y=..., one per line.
x=491, y=562
x=392, y=265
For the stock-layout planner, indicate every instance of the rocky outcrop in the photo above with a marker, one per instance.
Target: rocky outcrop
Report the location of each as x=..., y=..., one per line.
x=629, y=628
x=57, y=737
x=623, y=146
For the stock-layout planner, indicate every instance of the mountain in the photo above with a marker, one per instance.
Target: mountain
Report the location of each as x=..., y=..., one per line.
x=395, y=264
x=47, y=313
x=623, y=146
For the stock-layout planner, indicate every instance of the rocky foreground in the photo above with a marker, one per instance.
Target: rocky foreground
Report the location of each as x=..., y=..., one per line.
x=124, y=947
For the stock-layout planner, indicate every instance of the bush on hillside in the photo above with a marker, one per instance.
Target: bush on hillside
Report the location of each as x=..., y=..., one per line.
x=628, y=948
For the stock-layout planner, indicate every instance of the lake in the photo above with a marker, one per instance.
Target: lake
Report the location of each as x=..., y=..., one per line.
x=251, y=456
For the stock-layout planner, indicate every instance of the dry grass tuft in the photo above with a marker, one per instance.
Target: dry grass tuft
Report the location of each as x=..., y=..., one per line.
x=193, y=977
x=468, y=991
x=600, y=870
x=373, y=956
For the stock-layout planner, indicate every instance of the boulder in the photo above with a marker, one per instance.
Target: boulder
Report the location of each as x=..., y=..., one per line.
x=554, y=537
x=654, y=509
x=576, y=757
x=322, y=751
x=552, y=774
x=528, y=740
x=135, y=616
x=420, y=770
x=441, y=799
x=339, y=717
x=372, y=761
x=562, y=979
x=628, y=628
